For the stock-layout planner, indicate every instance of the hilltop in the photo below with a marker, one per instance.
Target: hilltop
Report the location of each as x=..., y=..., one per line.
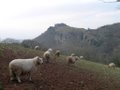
x=61, y=36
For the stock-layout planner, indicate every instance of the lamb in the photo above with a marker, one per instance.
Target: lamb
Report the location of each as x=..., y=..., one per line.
x=112, y=65
x=47, y=55
x=57, y=53
x=19, y=67
x=36, y=47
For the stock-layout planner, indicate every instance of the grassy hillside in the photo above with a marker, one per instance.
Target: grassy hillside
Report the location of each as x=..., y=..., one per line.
x=10, y=51
x=98, y=68
x=58, y=75
x=108, y=76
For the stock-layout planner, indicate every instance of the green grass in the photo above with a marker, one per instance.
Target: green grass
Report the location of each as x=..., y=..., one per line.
x=100, y=69
x=18, y=51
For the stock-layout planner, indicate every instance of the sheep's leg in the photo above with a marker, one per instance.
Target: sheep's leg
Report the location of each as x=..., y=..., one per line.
x=48, y=60
x=11, y=78
x=18, y=79
x=18, y=75
x=30, y=76
x=12, y=75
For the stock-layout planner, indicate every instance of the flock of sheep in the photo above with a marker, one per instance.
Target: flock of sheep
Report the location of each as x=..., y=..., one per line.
x=18, y=67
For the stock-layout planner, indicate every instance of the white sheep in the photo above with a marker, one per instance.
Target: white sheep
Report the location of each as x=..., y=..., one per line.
x=47, y=55
x=19, y=67
x=36, y=47
x=57, y=53
x=81, y=57
x=111, y=65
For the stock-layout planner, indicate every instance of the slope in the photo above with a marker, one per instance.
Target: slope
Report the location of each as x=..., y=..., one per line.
x=57, y=75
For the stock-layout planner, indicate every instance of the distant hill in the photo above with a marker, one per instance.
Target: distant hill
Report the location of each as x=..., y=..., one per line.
x=10, y=40
x=101, y=44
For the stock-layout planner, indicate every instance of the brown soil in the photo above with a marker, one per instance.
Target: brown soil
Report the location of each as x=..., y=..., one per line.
x=56, y=76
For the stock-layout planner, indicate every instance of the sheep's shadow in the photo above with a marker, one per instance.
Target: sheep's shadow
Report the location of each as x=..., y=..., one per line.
x=22, y=81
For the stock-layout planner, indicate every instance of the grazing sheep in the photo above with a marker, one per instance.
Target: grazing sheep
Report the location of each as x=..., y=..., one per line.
x=19, y=67
x=36, y=47
x=111, y=65
x=57, y=53
x=47, y=55
x=72, y=59
x=81, y=57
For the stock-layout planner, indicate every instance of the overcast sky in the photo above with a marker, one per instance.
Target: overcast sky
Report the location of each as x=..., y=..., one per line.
x=26, y=19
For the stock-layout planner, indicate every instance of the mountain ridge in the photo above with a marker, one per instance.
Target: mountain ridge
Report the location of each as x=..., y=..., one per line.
x=102, y=43
x=11, y=40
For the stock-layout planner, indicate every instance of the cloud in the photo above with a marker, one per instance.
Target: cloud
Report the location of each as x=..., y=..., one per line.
x=29, y=18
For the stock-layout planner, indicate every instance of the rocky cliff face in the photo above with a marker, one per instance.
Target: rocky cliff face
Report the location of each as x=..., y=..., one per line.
x=62, y=36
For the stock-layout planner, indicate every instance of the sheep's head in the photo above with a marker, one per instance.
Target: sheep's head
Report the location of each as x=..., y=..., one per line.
x=57, y=53
x=38, y=60
x=77, y=58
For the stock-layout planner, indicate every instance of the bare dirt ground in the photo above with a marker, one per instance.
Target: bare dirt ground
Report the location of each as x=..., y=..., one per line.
x=56, y=76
